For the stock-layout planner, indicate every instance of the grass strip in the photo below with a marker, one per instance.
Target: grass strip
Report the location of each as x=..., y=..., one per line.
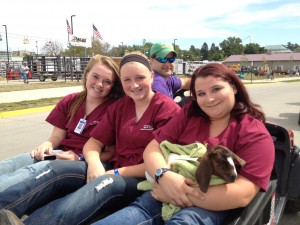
x=20, y=86
x=13, y=106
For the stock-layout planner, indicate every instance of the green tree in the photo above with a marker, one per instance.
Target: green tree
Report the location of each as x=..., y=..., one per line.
x=106, y=47
x=204, y=51
x=254, y=48
x=232, y=46
x=291, y=46
x=147, y=46
x=215, y=54
x=74, y=51
x=98, y=48
x=185, y=55
x=194, y=53
x=297, y=49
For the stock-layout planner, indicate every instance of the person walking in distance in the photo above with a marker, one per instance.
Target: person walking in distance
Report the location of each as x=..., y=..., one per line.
x=24, y=72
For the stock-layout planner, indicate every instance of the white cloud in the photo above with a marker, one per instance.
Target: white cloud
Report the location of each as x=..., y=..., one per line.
x=133, y=20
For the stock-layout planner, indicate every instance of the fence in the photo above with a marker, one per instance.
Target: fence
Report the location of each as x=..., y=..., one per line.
x=44, y=67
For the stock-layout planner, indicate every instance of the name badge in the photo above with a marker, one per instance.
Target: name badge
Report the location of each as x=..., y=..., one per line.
x=80, y=126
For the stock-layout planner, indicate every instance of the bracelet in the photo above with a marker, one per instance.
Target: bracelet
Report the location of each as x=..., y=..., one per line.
x=116, y=171
x=81, y=158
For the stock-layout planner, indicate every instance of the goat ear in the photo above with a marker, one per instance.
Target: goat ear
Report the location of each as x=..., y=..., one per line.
x=203, y=173
x=234, y=156
x=238, y=159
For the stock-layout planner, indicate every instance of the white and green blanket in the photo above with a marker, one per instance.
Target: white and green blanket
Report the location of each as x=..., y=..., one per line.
x=182, y=160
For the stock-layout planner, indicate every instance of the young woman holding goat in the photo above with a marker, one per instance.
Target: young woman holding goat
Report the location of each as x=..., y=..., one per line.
x=220, y=113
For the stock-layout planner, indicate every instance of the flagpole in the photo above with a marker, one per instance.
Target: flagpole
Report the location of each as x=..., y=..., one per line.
x=93, y=44
x=68, y=32
x=96, y=32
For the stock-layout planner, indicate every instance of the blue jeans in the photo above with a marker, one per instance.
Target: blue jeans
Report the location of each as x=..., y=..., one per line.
x=24, y=75
x=17, y=169
x=59, y=194
x=15, y=163
x=147, y=211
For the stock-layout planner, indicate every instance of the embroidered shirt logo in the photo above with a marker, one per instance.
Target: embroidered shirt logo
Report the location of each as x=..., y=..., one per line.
x=147, y=127
x=94, y=122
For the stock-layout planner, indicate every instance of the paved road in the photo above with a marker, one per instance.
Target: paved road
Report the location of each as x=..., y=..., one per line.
x=22, y=133
x=280, y=102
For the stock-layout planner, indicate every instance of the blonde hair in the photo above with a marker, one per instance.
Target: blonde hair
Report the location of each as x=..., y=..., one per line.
x=116, y=91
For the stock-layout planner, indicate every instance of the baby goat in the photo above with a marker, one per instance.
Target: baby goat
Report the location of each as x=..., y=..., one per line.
x=218, y=160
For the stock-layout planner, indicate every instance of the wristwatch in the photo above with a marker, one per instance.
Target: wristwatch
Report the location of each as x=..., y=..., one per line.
x=159, y=173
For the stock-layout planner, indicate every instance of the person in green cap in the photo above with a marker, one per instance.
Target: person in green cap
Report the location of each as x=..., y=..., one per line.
x=162, y=58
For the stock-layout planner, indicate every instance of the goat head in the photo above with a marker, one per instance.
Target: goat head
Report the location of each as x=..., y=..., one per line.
x=218, y=160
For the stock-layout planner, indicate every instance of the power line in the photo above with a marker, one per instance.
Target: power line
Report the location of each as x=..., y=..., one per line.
x=38, y=38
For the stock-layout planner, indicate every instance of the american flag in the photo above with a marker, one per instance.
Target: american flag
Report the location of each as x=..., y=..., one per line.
x=69, y=29
x=96, y=33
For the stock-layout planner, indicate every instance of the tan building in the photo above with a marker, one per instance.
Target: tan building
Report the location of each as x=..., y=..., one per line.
x=285, y=62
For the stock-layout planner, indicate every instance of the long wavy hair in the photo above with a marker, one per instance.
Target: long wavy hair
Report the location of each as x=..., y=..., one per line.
x=115, y=93
x=243, y=104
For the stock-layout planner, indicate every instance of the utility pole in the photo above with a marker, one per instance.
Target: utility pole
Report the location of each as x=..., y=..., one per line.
x=174, y=44
x=72, y=24
x=7, y=68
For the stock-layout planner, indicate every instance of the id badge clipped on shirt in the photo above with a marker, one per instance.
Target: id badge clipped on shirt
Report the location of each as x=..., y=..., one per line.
x=80, y=126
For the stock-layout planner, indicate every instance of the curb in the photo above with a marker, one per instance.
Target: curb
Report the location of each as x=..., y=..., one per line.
x=26, y=111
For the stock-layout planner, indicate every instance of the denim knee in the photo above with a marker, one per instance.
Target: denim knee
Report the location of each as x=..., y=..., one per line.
x=57, y=179
x=196, y=215
x=20, y=175
x=15, y=163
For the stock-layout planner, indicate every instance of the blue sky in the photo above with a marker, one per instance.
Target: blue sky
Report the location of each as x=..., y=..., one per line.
x=191, y=22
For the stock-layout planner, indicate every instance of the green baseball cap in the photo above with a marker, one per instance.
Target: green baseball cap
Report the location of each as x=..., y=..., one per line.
x=162, y=49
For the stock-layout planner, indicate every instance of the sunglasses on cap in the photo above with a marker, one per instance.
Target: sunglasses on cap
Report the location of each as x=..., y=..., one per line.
x=164, y=60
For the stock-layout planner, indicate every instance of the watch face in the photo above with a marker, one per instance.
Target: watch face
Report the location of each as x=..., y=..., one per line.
x=158, y=172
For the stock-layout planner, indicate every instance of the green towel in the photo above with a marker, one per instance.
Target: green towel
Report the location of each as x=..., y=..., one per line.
x=183, y=166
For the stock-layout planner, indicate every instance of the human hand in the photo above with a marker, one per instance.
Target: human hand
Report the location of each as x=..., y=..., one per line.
x=40, y=151
x=194, y=189
x=172, y=188
x=107, y=153
x=94, y=170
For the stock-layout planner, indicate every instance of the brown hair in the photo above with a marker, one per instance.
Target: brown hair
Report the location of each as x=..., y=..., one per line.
x=243, y=103
x=116, y=91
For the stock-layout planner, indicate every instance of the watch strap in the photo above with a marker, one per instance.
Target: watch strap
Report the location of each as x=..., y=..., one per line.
x=162, y=171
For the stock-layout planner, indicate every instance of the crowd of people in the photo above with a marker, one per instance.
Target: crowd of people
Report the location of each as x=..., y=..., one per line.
x=106, y=137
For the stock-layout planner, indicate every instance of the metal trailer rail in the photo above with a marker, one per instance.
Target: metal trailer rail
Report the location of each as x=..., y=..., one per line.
x=53, y=68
